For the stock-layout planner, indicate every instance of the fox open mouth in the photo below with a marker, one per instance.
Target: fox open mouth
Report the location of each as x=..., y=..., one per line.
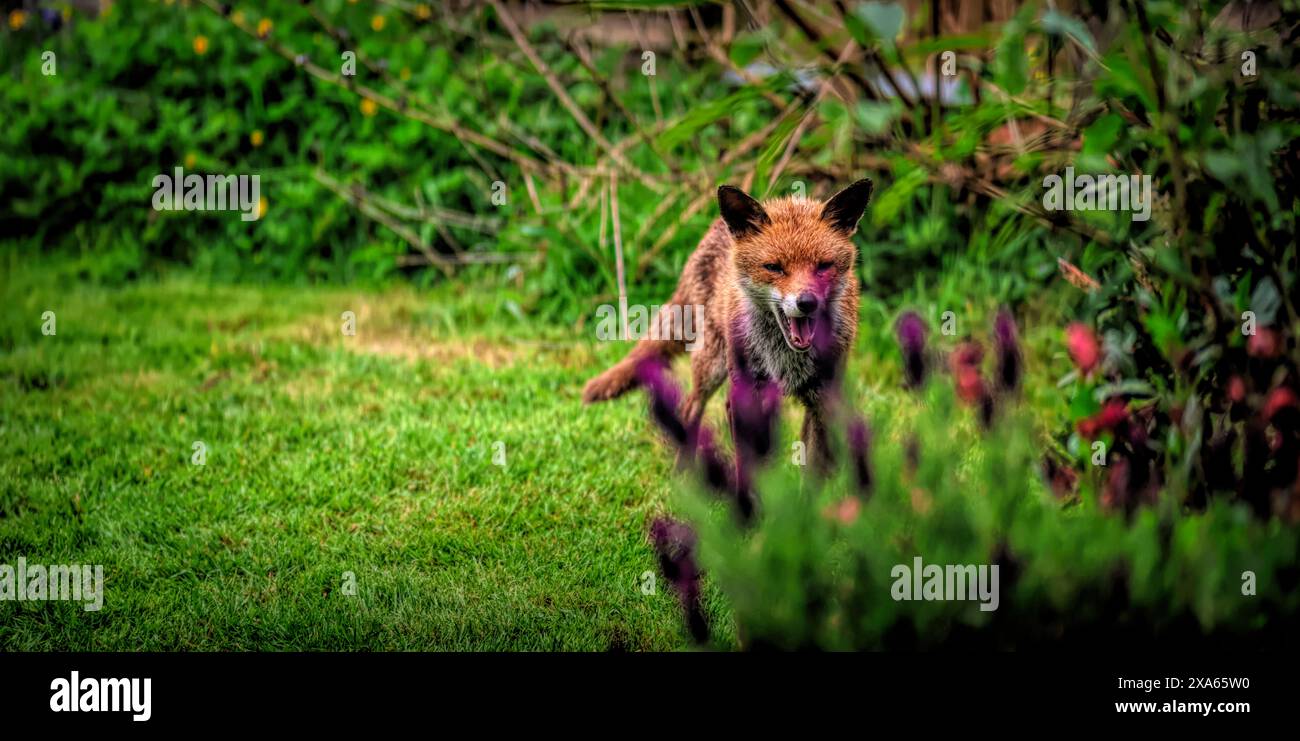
x=798, y=331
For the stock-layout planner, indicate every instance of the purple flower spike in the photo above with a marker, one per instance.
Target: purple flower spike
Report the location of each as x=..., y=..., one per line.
x=674, y=544
x=665, y=402
x=746, y=499
x=859, y=447
x=912, y=332
x=714, y=468
x=912, y=456
x=824, y=339
x=1010, y=359
x=755, y=407
x=754, y=411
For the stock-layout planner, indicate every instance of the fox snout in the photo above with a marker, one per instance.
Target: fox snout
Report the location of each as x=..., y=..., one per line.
x=798, y=314
x=799, y=304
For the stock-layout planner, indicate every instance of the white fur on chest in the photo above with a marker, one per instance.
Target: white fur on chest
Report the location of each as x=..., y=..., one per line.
x=774, y=357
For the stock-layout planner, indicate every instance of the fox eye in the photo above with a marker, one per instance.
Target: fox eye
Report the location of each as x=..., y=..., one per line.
x=824, y=266
x=774, y=267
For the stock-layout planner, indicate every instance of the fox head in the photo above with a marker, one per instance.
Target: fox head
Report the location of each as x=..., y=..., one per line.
x=794, y=256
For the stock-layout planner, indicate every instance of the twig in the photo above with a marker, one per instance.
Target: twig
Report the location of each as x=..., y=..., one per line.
x=476, y=258
x=618, y=251
x=563, y=96
x=720, y=56
x=1062, y=221
x=808, y=118
x=442, y=262
x=879, y=61
x=584, y=58
x=816, y=38
x=401, y=106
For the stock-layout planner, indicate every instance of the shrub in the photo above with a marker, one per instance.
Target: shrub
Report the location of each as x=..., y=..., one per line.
x=953, y=478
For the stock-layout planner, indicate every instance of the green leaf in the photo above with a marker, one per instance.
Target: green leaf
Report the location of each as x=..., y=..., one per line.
x=1265, y=301
x=875, y=118
x=1100, y=137
x=1010, y=62
x=704, y=115
x=1084, y=404
x=773, y=150
x=1222, y=165
x=883, y=20
x=1058, y=24
x=748, y=46
x=896, y=196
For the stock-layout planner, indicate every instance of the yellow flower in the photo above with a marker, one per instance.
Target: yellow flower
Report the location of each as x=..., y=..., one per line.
x=369, y=107
x=67, y=13
x=264, y=28
x=200, y=45
x=423, y=12
x=191, y=160
x=377, y=23
x=256, y=138
x=17, y=19
x=261, y=207
x=237, y=17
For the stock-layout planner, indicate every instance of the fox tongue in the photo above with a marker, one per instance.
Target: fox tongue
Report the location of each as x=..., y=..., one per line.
x=801, y=331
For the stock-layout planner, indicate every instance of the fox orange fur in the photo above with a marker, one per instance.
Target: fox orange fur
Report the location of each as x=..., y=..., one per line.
x=780, y=298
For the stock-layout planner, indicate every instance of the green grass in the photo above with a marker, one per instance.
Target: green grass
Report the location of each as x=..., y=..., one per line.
x=326, y=454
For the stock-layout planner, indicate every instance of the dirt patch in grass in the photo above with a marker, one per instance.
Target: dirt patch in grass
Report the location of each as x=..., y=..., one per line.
x=490, y=353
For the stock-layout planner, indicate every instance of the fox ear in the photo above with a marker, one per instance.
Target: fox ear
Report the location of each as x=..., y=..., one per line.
x=744, y=215
x=845, y=208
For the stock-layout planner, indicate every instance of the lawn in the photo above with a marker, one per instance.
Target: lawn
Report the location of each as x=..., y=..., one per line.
x=326, y=454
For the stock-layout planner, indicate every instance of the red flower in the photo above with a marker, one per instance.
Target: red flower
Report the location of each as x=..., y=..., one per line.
x=1265, y=343
x=965, y=365
x=1236, y=389
x=1113, y=414
x=1060, y=477
x=845, y=511
x=971, y=388
x=1083, y=346
x=1279, y=399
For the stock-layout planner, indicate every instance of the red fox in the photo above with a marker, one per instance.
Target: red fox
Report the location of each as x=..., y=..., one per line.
x=780, y=298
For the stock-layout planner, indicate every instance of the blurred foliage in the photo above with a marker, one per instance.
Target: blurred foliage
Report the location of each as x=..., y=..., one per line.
x=817, y=570
x=151, y=86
